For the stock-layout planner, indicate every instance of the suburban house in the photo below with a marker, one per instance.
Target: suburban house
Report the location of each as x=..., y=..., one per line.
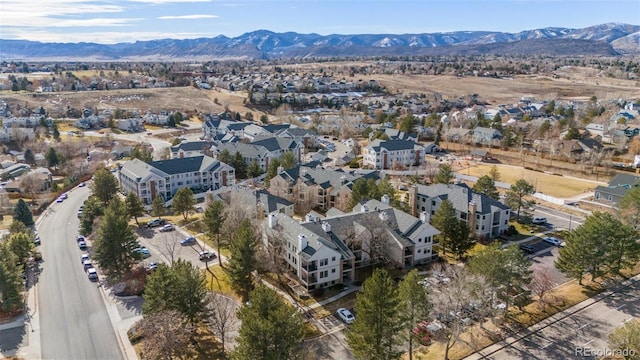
x=617, y=188
x=329, y=251
x=192, y=148
x=8, y=134
x=382, y=154
x=130, y=125
x=13, y=171
x=486, y=136
x=163, y=178
x=394, y=134
x=312, y=187
x=487, y=218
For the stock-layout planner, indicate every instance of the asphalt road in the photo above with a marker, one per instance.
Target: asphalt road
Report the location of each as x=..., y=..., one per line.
x=74, y=323
x=583, y=332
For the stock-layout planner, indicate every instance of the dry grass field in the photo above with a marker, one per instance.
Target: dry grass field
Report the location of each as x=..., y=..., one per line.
x=553, y=185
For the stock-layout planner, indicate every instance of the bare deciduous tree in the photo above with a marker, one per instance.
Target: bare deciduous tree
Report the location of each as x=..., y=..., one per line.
x=169, y=246
x=31, y=184
x=541, y=283
x=166, y=335
x=221, y=312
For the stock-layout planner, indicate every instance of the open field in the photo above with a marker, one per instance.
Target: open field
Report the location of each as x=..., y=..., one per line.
x=553, y=185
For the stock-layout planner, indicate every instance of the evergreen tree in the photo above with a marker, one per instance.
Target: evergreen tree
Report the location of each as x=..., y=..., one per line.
x=376, y=332
x=438, y=137
x=10, y=281
x=134, y=206
x=158, y=208
x=507, y=271
x=271, y=329
x=183, y=202
x=29, y=157
x=158, y=290
x=460, y=242
x=629, y=206
x=254, y=169
x=486, y=186
x=288, y=160
x=142, y=153
x=360, y=191
x=225, y=157
x=626, y=339
x=56, y=132
x=114, y=247
x=414, y=304
x=188, y=289
x=213, y=219
x=446, y=221
x=243, y=259
x=272, y=170
x=53, y=158
x=240, y=165
x=445, y=175
x=105, y=186
x=22, y=213
x=92, y=210
x=516, y=196
x=21, y=245
x=494, y=173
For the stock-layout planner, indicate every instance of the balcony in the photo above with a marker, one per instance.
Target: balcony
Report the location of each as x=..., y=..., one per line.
x=309, y=266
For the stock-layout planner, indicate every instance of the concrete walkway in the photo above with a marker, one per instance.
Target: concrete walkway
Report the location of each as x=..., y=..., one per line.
x=492, y=349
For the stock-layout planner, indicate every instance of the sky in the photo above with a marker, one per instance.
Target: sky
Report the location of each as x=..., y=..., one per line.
x=113, y=21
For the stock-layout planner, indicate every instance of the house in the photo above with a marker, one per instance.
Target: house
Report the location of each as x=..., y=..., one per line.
x=596, y=129
x=14, y=171
x=277, y=146
x=487, y=218
x=394, y=134
x=163, y=178
x=120, y=151
x=382, y=154
x=486, y=136
x=616, y=189
x=263, y=202
x=130, y=125
x=459, y=135
x=192, y=148
x=315, y=187
x=308, y=138
x=329, y=251
x=221, y=124
x=8, y=134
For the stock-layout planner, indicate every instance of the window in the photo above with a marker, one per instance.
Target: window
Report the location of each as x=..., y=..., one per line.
x=333, y=271
x=433, y=203
x=333, y=258
x=324, y=262
x=419, y=240
x=419, y=251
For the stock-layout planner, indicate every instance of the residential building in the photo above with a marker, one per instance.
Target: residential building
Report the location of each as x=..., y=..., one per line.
x=330, y=251
x=487, y=218
x=191, y=148
x=163, y=178
x=315, y=187
x=382, y=154
x=616, y=189
x=486, y=136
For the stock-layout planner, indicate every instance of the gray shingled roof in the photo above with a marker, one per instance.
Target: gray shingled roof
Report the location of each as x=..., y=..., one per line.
x=192, y=146
x=460, y=196
x=247, y=150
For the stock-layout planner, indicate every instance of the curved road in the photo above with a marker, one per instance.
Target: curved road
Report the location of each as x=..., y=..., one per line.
x=74, y=323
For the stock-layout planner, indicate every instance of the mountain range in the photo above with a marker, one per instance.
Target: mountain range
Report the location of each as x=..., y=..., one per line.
x=601, y=40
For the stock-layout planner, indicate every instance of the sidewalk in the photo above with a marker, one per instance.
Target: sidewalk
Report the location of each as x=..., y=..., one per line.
x=491, y=349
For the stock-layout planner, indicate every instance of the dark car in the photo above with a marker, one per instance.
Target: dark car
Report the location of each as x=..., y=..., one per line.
x=527, y=249
x=206, y=255
x=155, y=223
x=188, y=241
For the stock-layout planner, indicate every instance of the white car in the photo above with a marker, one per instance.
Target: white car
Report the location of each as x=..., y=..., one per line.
x=92, y=274
x=346, y=315
x=552, y=240
x=539, y=221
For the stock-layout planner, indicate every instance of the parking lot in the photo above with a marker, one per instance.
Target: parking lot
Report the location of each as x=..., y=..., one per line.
x=165, y=246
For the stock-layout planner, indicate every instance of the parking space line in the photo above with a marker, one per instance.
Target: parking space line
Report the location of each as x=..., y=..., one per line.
x=588, y=342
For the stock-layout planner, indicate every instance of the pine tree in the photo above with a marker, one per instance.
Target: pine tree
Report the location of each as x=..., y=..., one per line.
x=271, y=329
x=22, y=213
x=225, y=157
x=243, y=259
x=10, y=282
x=486, y=186
x=21, y=245
x=213, y=219
x=445, y=175
x=516, y=196
x=188, y=289
x=114, y=247
x=376, y=332
x=240, y=165
x=183, y=202
x=288, y=160
x=254, y=169
x=157, y=290
x=105, y=185
x=414, y=304
x=446, y=221
x=157, y=207
x=134, y=206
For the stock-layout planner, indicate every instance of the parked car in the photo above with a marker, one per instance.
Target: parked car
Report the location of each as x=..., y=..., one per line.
x=527, y=248
x=346, y=315
x=87, y=264
x=206, y=255
x=64, y=196
x=82, y=245
x=152, y=266
x=84, y=257
x=155, y=223
x=552, y=240
x=79, y=213
x=188, y=241
x=167, y=228
x=92, y=274
x=539, y=221
x=143, y=251
x=59, y=199
x=37, y=241
x=82, y=184
x=80, y=238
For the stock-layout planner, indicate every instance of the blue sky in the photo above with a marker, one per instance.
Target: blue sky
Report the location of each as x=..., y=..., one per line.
x=110, y=21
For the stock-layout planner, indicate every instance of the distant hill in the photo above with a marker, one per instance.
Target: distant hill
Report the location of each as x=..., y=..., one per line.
x=600, y=40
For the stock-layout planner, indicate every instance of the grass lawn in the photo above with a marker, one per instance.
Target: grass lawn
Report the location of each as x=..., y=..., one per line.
x=553, y=185
x=218, y=281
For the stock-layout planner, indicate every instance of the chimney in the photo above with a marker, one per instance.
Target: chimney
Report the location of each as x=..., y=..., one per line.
x=472, y=216
x=273, y=221
x=302, y=242
x=343, y=179
x=385, y=199
x=309, y=218
x=384, y=216
x=424, y=217
x=326, y=227
x=280, y=169
x=364, y=208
